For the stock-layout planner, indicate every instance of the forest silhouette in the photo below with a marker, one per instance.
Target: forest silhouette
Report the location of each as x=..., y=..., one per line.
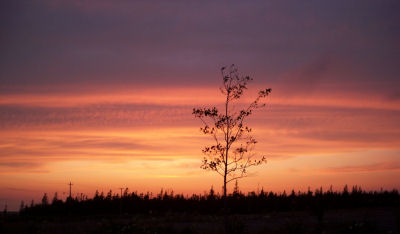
x=347, y=211
x=166, y=201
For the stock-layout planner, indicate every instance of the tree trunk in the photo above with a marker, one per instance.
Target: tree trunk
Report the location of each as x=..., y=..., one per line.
x=225, y=197
x=226, y=223
x=226, y=164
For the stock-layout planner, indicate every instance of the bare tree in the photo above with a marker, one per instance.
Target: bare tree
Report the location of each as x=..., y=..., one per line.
x=231, y=155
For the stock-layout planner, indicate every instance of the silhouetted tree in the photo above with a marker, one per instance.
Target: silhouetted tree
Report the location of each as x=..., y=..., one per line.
x=345, y=190
x=126, y=192
x=45, y=200
x=55, y=198
x=5, y=210
x=22, y=206
x=236, y=190
x=211, y=194
x=231, y=155
x=109, y=195
x=96, y=195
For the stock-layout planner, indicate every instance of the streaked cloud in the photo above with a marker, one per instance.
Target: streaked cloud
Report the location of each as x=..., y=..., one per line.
x=365, y=168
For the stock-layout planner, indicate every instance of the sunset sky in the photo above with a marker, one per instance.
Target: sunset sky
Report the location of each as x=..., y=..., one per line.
x=100, y=93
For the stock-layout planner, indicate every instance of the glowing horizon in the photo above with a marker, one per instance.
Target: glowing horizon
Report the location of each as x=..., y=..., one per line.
x=121, y=140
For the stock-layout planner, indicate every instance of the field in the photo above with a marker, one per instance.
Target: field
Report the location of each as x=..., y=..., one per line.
x=360, y=220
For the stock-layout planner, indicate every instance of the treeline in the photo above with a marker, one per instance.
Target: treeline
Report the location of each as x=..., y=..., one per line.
x=211, y=203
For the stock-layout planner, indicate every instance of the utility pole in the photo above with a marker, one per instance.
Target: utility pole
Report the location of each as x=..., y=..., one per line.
x=70, y=185
x=120, y=202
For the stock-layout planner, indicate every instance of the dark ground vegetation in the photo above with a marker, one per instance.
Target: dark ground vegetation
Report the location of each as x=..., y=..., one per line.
x=354, y=211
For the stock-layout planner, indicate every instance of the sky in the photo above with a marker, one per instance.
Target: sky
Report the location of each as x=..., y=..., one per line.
x=100, y=93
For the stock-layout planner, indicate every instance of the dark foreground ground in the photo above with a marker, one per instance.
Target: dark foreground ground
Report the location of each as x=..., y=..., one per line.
x=362, y=220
